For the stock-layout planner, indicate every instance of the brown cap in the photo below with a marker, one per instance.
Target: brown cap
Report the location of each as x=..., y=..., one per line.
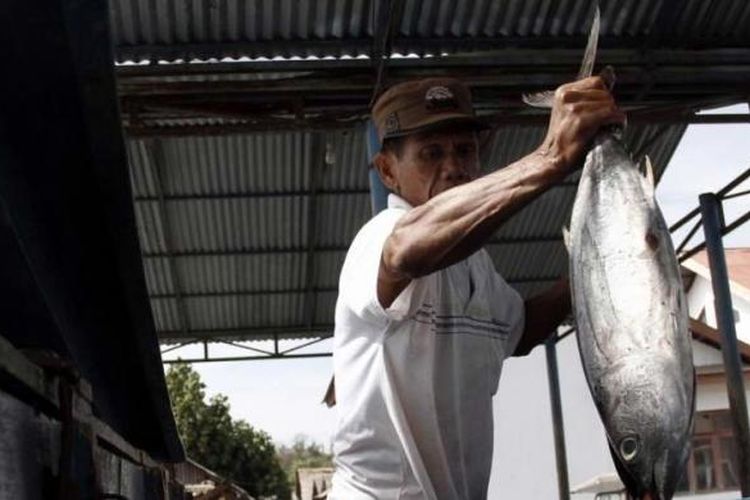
x=421, y=105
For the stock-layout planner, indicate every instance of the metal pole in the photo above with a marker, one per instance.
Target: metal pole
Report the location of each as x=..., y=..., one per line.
x=713, y=222
x=378, y=191
x=557, y=418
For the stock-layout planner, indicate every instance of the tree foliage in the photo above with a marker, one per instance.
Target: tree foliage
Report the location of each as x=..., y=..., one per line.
x=303, y=454
x=231, y=448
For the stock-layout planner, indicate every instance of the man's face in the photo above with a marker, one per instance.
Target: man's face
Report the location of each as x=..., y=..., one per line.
x=431, y=163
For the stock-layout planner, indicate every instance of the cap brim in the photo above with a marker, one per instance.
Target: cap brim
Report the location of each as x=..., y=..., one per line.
x=444, y=123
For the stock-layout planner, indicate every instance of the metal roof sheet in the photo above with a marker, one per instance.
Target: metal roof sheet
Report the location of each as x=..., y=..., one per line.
x=166, y=29
x=245, y=264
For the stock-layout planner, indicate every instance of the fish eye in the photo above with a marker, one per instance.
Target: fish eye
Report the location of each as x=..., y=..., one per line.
x=629, y=448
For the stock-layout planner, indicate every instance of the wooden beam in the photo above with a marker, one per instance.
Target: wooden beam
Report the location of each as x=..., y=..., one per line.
x=708, y=335
x=718, y=377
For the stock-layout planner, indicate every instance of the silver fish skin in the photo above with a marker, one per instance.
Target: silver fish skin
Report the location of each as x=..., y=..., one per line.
x=632, y=320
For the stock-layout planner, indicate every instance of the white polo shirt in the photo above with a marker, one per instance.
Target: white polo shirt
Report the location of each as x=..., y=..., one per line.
x=414, y=383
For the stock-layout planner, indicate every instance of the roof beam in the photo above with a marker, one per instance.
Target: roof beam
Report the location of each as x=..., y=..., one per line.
x=244, y=293
x=358, y=87
x=270, y=332
x=306, y=290
x=274, y=194
x=315, y=169
x=252, y=194
x=400, y=45
x=156, y=153
x=643, y=116
x=219, y=359
x=329, y=248
x=561, y=59
x=263, y=332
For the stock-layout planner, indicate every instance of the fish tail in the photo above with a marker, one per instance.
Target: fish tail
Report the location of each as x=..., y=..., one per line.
x=545, y=98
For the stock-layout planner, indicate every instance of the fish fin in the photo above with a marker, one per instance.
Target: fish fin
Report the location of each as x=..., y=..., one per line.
x=545, y=98
x=649, y=171
x=541, y=99
x=589, y=56
x=648, y=176
x=566, y=238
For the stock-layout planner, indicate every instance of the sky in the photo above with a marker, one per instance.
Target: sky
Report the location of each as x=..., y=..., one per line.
x=283, y=397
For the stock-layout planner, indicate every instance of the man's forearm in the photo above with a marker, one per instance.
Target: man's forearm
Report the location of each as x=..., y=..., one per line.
x=543, y=314
x=456, y=223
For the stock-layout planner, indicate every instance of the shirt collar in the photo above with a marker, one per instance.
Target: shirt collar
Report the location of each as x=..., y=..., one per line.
x=395, y=201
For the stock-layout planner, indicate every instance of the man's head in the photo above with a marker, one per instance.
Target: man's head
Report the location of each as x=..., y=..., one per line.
x=428, y=134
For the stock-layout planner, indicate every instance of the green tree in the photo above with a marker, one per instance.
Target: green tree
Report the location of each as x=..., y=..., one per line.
x=303, y=454
x=231, y=448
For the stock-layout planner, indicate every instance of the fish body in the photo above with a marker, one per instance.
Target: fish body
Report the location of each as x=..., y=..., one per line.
x=630, y=310
x=632, y=321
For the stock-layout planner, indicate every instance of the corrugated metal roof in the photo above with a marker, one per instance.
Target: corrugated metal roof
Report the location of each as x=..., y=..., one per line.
x=238, y=209
x=244, y=231
x=167, y=29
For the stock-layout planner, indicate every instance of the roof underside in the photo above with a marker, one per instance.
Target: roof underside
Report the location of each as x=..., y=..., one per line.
x=250, y=177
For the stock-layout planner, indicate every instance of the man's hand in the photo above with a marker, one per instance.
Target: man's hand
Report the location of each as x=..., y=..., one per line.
x=580, y=108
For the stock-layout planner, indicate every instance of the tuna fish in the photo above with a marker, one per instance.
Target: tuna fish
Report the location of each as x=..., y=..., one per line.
x=631, y=315
x=632, y=322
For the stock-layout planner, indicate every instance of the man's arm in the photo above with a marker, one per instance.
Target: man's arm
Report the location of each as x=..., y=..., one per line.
x=456, y=223
x=543, y=314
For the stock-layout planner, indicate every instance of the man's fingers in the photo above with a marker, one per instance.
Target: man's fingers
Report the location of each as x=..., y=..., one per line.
x=592, y=82
x=590, y=112
x=572, y=96
x=599, y=116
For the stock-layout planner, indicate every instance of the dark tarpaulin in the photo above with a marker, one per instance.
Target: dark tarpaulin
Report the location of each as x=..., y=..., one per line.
x=71, y=275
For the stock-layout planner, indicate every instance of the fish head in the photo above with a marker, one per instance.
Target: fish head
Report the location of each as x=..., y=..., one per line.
x=649, y=426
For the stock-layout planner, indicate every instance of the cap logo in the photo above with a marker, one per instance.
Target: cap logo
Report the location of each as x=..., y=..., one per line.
x=440, y=97
x=391, y=123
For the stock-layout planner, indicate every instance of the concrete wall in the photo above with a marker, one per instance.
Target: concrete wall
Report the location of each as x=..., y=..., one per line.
x=524, y=463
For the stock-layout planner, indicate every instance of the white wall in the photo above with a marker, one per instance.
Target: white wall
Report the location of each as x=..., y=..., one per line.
x=524, y=460
x=524, y=464
x=701, y=295
x=706, y=356
x=698, y=296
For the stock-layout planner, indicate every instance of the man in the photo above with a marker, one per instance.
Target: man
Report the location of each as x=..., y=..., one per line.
x=423, y=321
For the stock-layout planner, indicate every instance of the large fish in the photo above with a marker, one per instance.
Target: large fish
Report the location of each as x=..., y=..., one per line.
x=631, y=314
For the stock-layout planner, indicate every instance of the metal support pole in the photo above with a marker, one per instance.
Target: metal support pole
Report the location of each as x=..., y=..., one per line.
x=378, y=191
x=557, y=418
x=713, y=222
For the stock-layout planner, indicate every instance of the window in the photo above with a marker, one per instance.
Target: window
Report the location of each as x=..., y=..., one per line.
x=713, y=462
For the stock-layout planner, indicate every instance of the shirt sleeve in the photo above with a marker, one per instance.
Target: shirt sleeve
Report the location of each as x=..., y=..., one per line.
x=359, y=276
x=519, y=323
